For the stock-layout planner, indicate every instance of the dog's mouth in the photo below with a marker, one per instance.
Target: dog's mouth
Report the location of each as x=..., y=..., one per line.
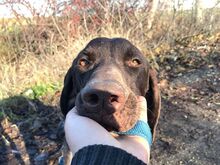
x=110, y=117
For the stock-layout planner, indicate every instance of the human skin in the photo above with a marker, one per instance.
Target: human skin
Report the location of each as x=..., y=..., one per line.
x=79, y=128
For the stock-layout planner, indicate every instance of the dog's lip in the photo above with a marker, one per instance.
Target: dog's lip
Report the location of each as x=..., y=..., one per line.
x=101, y=119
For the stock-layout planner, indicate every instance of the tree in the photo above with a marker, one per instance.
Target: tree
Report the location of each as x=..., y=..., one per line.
x=152, y=12
x=198, y=11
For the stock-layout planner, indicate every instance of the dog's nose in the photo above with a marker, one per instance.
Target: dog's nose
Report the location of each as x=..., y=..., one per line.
x=98, y=96
x=95, y=98
x=92, y=98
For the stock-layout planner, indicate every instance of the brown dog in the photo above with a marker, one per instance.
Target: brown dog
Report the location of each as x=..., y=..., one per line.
x=105, y=79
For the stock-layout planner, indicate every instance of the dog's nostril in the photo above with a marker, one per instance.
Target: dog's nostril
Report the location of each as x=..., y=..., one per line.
x=113, y=98
x=92, y=99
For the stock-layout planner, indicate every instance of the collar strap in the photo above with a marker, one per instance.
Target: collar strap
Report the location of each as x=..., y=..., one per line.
x=142, y=129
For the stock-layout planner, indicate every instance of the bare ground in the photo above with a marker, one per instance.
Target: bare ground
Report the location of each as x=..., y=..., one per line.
x=188, y=131
x=189, y=127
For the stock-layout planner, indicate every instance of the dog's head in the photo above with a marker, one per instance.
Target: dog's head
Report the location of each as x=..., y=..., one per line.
x=104, y=81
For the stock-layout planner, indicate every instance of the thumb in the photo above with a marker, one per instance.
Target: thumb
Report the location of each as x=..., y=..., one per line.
x=142, y=105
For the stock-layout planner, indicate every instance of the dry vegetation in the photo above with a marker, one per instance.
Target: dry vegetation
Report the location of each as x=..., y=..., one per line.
x=38, y=50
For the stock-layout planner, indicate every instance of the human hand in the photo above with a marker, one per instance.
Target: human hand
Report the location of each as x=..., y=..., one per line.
x=81, y=132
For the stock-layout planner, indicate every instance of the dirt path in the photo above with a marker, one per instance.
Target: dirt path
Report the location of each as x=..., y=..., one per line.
x=188, y=132
x=189, y=128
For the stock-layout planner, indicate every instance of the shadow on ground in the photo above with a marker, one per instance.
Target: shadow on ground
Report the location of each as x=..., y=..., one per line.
x=28, y=132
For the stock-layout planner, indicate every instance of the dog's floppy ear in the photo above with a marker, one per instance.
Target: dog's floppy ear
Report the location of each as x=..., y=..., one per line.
x=153, y=101
x=68, y=95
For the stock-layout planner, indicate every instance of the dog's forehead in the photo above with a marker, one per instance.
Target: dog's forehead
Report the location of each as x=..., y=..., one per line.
x=110, y=45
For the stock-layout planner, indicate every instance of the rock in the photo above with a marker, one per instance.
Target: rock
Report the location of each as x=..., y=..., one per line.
x=36, y=125
x=41, y=159
x=53, y=136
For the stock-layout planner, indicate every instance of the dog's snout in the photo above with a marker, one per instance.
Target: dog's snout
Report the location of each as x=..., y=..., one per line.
x=98, y=96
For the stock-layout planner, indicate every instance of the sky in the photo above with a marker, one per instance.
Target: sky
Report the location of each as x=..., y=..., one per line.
x=40, y=5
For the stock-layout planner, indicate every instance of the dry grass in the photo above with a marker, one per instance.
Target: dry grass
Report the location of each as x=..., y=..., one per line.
x=40, y=50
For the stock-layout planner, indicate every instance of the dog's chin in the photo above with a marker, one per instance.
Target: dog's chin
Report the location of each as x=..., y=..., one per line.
x=112, y=120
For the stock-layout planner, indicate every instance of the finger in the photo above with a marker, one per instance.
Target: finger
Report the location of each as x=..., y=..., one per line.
x=142, y=105
x=74, y=109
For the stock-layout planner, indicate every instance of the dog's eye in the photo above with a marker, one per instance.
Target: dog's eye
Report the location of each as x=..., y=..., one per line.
x=84, y=62
x=134, y=62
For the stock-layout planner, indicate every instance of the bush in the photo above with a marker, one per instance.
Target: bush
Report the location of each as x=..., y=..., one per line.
x=39, y=49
